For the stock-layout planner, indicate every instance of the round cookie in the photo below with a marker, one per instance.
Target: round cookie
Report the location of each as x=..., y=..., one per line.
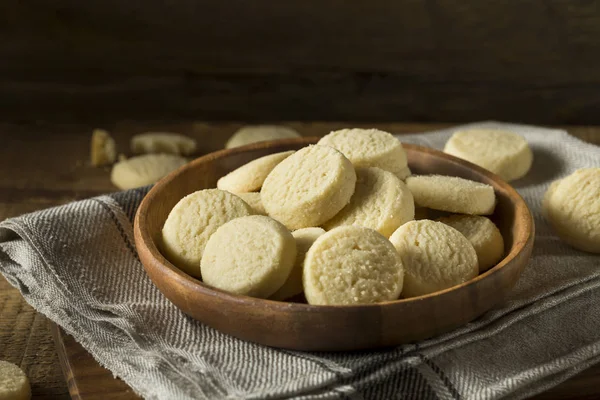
x=144, y=170
x=369, y=148
x=501, y=152
x=254, y=201
x=14, y=384
x=193, y=220
x=309, y=187
x=380, y=201
x=305, y=238
x=259, y=133
x=251, y=256
x=572, y=206
x=453, y=194
x=483, y=235
x=404, y=173
x=162, y=142
x=352, y=265
x=250, y=177
x=435, y=257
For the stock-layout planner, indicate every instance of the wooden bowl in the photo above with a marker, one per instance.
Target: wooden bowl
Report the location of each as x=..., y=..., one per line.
x=331, y=328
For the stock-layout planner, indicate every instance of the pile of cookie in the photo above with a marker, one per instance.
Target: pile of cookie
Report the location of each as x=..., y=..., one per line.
x=345, y=222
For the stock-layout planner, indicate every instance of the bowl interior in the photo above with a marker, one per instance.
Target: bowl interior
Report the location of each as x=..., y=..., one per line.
x=204, y=172
x=331, y=327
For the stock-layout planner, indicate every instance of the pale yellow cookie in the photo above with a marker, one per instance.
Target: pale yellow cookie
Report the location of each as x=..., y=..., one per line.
x=162, y=142
x=259, y=133
x=103, y=150
x=193, y=220
x=369, y=148
x=309, y=187
x=14, y=384
x=252, y=256
x=250, y=177
x=144, y=170
x=352, y=265
x=504, y=153
x=435, y=257
x=380, y=201
x=453, y=194
x=404, y=173
x=305, y=237
x=572, y=206
x=253, y=199
x=483, y=235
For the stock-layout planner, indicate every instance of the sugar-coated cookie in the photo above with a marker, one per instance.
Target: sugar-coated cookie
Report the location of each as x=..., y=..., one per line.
x=352, y=265
x=305, y=238
x=369, y=148
x=192, y=222
x=504, y=153
x=453, y=194
x=483, y=235
x=162, y=142
x=254, y=201
x=14, y=384
x=251, y=256
x=309, y=187
x=435, y=257
x=572, y=206
x=250, y=177
x=259, y=133
x=381, y=201
x=144, y=170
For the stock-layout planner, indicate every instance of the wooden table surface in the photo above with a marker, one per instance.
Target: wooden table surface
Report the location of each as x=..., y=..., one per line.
x=43, y=165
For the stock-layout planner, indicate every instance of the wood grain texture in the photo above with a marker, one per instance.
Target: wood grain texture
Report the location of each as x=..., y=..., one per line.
x=536, y=61
x=85, y=378
x=33, y=180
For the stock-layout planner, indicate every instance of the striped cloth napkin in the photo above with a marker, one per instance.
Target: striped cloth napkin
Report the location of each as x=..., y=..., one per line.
x=77, y=265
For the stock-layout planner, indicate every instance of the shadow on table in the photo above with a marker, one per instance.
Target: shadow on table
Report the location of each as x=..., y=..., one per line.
x=546, y=168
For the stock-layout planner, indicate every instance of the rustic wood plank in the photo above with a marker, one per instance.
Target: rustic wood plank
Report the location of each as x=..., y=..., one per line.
x=85, y=378
x=42, y=165
x=68, y=60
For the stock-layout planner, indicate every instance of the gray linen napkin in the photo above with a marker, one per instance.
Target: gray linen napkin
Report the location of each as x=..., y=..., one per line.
x=77, y=264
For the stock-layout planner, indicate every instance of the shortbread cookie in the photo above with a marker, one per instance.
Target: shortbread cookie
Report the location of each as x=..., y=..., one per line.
x=162, y=142
x=259, y=133
x=252, y=256
x=501, y=152
x=250, y=177
x=193, y=220
x=453, y=194
x=572, y=206
x=435, y=257
x=369, y=148
x=352, y=265
x=144, y=170
x=103, y=150
x=404, y=173
x=14, y=384
x=483, y=235
x=380, y=201
x=305, y=238
x=254, y=201
x=309, y=187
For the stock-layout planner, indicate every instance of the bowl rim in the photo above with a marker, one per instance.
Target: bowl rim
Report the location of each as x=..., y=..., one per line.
x=144, y=242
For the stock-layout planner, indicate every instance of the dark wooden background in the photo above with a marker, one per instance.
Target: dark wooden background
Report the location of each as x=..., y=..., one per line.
x=535, y=61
